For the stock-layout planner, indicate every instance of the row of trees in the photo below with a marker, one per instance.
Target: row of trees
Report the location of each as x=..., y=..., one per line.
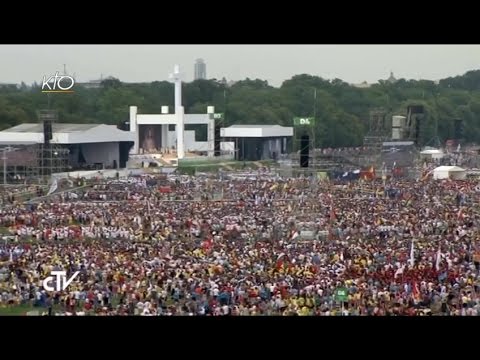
x=342, y=111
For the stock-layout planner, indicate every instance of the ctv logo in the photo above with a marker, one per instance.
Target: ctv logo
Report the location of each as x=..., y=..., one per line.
x=61, y=279
x=58, y=84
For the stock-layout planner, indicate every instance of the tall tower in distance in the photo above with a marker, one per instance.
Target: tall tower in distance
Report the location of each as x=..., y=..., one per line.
x=200, y=70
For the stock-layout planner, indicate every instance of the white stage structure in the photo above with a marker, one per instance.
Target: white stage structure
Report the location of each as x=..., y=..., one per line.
x=98, y=143
x=449, y=172
x=257, y=142
x=164, y=133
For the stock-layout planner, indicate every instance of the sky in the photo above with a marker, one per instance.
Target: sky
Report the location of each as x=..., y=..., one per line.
x=274, y=63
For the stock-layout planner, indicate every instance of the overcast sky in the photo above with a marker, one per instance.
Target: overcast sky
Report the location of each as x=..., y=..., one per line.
x=275, y=63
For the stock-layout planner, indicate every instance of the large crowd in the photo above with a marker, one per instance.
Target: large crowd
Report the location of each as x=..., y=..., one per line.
x=247, y=244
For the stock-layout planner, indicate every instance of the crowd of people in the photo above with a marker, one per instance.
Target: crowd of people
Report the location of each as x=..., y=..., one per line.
x=255, y=244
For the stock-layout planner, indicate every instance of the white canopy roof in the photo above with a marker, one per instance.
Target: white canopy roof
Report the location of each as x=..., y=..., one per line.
x=260, y=131
x=431, y=152
x=62, y=133
x=449, y=168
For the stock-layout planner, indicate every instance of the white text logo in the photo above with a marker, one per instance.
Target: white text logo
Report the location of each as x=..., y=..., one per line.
x=61, y=279
x=58, y=84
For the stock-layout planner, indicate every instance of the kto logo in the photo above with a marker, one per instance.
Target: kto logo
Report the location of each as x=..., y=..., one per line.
x=61, y=278
x=58, y=84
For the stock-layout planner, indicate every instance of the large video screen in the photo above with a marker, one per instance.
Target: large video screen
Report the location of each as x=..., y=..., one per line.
x=150, y=139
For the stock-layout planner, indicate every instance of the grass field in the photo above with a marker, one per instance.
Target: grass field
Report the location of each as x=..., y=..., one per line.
x=4, y=230
x=189, y=167
x=19, y=310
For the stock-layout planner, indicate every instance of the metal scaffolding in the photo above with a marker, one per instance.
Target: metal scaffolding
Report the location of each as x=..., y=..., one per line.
x=50, y=159
x=304, y=127
x=35, y=163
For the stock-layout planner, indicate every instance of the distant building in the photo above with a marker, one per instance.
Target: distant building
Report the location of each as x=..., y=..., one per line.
x=392, y=78
x=200, y=70
x=95, y=84
x=9, y=86
x=92, y=84
x=363, y=85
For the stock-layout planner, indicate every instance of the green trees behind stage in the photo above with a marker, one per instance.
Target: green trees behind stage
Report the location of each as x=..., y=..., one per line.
x=341, y=110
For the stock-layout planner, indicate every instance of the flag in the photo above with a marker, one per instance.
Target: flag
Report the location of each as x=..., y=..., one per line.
x=282, y=259
x=437, y=262
x=53, y=187
x=460, y=214
x=281, y=256
x=415, y=291
x=207, y=245
x=330, y=233
x=333, y=216
x=399, y=271
x=294, y=235
x=426, y=175
x=412, y=260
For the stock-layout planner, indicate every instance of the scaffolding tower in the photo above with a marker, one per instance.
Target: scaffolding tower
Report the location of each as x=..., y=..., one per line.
x=35, y=163
x=378, y=129
x=304, y=127
x=217, y=122
x=50, y=158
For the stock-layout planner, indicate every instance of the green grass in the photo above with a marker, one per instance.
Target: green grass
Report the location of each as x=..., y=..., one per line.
x=4, y=231
x=190, y=167
x=19, y=310
x=201, y=161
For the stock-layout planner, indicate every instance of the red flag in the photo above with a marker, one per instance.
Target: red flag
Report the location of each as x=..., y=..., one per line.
x=207, y=244
x=281, y=260
x=415, y=291
x=294, y=235
x=333, y=216
x=460, y=213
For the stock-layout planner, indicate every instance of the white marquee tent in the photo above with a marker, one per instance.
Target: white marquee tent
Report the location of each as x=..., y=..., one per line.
x=449, y=172
x=432, y=153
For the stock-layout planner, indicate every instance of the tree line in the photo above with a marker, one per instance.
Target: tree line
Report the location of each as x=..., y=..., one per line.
x=342, y=111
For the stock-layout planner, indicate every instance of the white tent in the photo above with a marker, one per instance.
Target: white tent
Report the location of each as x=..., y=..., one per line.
x=432, y=153
x=449, y=172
